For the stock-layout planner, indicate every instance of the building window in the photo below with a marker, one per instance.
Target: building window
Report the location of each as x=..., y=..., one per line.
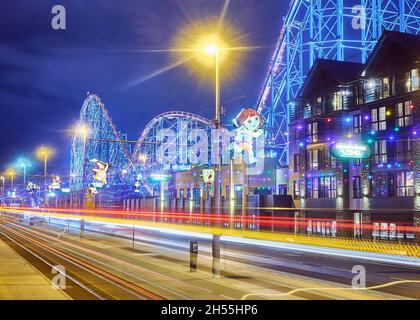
x=404, y=150
x=328, y=187
x=379, y=185
x=404, y=114
x=321, y=187
x=412, y=83
x=296, y=162
x=317, y=108
x=337, y=102
x=379, y=152
x=298, y=134
x=378, y=119
x=313, y=159
x=312, y=132
x=296, y=189
x=405, y=183
x=312, y=188
x=330, y=162
x=197, y=196
x=376, y=89
x=357, y=187
x=357, y=124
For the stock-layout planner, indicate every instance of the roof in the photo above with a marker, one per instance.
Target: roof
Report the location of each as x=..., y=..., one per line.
x=332, y=72
x=410, y=43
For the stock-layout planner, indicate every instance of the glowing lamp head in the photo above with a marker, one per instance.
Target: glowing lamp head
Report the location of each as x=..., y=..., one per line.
x=211, y=49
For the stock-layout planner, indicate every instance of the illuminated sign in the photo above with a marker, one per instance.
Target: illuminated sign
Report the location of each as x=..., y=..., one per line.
x=349, y=150
x=159, y=177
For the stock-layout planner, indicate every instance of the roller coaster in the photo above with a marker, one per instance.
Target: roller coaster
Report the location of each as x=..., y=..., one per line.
x=329, y=29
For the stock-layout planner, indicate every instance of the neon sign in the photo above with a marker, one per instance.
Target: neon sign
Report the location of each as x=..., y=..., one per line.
x=159, y=177
x=349, y=150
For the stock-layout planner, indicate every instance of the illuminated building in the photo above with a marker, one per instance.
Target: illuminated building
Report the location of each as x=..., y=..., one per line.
x=352, y=106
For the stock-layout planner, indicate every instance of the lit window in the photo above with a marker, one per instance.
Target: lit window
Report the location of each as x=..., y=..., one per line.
x=337, y=102
x=312, y=131
x=412, y=83
x=405, y=183
x=379, y=152
x=404, y=114
x=378, y=119
x=357, y=124
x=313, y=159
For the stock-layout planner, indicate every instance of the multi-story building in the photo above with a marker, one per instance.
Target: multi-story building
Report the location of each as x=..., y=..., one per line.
x=354, y=146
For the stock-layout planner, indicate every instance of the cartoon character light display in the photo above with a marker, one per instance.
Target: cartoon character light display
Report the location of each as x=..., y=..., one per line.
x=55, y=184
x=100, y=171
x=248, y=125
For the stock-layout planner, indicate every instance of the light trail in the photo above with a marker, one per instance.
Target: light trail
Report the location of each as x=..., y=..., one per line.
x=260, y=221
x=381, y=286
x=392, y=253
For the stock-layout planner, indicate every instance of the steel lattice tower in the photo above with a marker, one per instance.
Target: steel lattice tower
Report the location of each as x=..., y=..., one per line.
x=103, y=142
x=344, y=30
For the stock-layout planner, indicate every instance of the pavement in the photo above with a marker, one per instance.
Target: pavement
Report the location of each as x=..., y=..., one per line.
x=19, y=280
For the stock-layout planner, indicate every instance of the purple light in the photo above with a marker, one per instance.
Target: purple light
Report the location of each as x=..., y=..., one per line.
x=366, y=117
x=414, y=132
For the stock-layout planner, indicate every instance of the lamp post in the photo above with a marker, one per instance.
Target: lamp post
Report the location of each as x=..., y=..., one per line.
x=23, y=166
x=12, y=176
x=2, y=180
x=213, y=50
x=45, y=155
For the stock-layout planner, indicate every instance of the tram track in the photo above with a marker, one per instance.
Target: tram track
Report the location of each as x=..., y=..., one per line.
x=86, y=280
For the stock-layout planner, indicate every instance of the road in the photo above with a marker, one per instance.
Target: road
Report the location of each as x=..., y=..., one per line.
x=101, y=265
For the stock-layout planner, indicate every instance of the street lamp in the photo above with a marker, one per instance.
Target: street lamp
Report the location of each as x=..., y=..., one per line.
x=82, y=130
x=44, y=153
x=23, y=166
x=11, y=173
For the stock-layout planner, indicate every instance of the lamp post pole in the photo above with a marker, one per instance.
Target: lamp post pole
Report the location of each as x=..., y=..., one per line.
x=45, y=169
x=2, y=180
x=218, y=171
x=24, y=173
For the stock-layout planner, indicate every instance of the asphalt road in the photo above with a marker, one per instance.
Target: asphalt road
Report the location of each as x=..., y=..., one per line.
x=103, y=266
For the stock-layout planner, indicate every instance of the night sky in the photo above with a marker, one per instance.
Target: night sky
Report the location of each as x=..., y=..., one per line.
x=45, y=74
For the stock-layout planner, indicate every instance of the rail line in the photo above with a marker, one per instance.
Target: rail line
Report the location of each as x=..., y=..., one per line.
x=136, y=291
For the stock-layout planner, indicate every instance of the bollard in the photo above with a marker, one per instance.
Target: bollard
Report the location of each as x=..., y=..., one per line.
x=216, y=256
x=193, y=255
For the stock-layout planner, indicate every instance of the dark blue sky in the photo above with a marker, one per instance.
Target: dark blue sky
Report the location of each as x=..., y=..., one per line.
x=45, y=74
